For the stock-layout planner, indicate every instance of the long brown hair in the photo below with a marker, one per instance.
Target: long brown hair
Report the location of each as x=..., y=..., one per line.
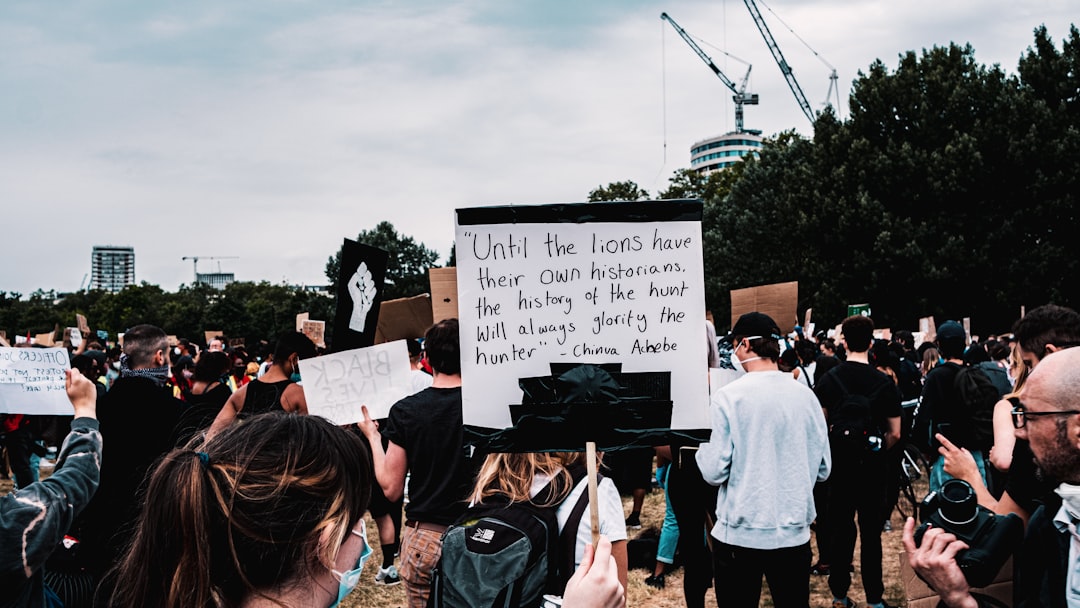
x=263, y=504
x=512, y=474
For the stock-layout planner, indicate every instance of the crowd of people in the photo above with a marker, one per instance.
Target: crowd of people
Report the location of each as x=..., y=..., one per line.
x=177, y=489
x=193, y=476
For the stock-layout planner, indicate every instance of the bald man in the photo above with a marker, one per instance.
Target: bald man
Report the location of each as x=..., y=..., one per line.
x=1048, y=565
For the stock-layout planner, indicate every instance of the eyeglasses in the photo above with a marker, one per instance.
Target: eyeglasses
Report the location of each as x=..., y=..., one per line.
x=1020, y=415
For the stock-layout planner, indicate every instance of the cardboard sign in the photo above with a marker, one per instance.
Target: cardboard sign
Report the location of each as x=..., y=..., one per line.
x=315, y=331
x=443, y=293
x=403, y=318
x=300, y=318
x=32, y=381
x=966, y=322
x=780, y=301
x=336, y=385
x=236, y=342
x=47, y=339
x=212, y=334
x=806, y=321
x=3, y=339
x=920, y=595
x=361, y=281
x=172, y=340
x=82, y=324
x=600, y=283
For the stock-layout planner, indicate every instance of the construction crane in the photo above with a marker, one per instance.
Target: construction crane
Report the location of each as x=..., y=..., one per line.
x=780, y=61
x=740, y=98
x=195, y=261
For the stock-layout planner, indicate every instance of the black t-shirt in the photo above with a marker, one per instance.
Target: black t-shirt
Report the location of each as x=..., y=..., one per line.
x=861, y=379
x=428, y=426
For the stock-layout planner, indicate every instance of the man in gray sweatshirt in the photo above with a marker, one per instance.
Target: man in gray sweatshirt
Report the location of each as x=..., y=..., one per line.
x=768, y=448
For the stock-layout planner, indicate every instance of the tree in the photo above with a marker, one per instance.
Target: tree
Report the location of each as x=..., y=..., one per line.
x=406, y=268
x=618, y=191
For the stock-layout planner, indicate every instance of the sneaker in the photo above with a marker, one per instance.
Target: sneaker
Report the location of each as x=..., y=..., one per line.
x=819, y=569
x=656, y=581
x=634, y=521
x=387, y=576
x=887, y=527
x=844, y=603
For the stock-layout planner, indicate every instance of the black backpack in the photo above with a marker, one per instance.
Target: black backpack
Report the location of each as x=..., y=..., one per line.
x=509, y=554
x=851, y=423
x=978, y=396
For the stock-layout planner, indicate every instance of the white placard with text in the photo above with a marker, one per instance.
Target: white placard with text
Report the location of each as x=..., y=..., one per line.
x=602, y=292
x=32, y=381
x=336, y=385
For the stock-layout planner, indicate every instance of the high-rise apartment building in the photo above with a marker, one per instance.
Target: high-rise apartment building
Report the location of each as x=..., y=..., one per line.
x=112, y=268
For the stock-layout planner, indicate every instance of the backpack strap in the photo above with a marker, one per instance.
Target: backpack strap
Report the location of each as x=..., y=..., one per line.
x=568, y=536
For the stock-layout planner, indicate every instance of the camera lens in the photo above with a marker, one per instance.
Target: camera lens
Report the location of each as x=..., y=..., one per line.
x=958, y=503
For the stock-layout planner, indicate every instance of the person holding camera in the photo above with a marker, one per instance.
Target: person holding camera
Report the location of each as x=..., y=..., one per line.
x=1048, y=564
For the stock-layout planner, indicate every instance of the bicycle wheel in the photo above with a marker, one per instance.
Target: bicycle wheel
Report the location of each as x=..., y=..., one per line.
x=912, y=472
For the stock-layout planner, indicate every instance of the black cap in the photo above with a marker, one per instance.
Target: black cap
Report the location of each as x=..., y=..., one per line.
x=755, y=324
x=950, y=330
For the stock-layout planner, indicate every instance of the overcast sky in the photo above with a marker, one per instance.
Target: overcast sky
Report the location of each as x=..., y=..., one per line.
x=272, y=129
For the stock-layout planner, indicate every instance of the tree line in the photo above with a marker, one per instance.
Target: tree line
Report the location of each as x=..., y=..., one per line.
x=950, y=190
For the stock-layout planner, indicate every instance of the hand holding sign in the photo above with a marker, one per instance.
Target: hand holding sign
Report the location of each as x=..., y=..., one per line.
x=362, y=290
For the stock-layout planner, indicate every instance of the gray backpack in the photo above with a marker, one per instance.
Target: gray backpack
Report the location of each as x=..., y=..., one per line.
x=509, y=554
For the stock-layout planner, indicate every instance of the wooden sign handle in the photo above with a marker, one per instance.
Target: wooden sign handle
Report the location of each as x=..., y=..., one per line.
x=594, y=508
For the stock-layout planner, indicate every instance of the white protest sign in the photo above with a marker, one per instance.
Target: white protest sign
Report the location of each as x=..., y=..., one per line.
x=336, y=385
x=75, y=336
x=538, y=289
x=32, y=381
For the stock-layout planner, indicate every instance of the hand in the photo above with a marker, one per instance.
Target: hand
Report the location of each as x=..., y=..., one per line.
x=82, y=393
x=362, y=291
x=935, y=561
x=595, y=583
x=958, y=462
x=367, y=426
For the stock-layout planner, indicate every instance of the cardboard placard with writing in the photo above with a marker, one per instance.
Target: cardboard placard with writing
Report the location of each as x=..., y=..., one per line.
x=779, y=300
x=443, y=293
x=315, y=331
x=361, y=282
x=32, y=381
x=921, y=595
x=300, y=318
x=236, y=342
x=403, y=318
x=336, y=385
x=617, y=284
x=82, y=324
x=172, y=339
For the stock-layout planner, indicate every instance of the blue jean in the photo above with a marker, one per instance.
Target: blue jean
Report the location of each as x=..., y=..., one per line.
x=669, y=533
x=938, y=476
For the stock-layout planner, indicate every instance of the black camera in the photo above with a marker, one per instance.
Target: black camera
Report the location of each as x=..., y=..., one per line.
x=990, y=538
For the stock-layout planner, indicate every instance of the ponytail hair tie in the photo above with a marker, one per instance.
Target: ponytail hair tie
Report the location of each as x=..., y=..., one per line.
x=204, y=458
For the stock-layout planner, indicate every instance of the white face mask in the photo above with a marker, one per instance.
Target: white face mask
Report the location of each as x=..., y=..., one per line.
x=738, y=363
